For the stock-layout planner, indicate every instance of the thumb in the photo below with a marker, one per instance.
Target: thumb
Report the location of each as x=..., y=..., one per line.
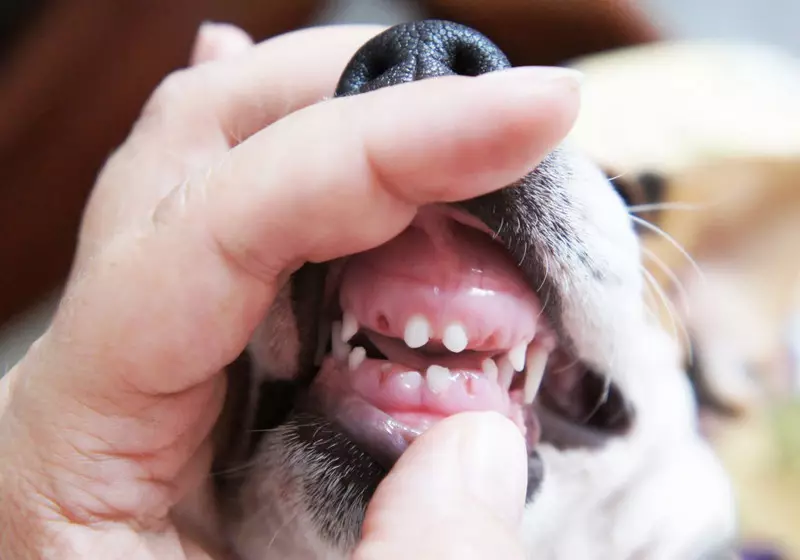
x=457, y=492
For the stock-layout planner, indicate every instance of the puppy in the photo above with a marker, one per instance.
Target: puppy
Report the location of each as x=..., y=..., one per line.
x=527, y=301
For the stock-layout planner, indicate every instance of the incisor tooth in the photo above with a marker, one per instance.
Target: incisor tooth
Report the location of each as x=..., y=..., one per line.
x=489, y=369
x=537, y=359
x=339, y=349
x=410, y=379
x=356, y=357
x=506, y=373
x=438, y=378
x=349, y=326
x=455, y=338
x=418, y=332
x=517, y=356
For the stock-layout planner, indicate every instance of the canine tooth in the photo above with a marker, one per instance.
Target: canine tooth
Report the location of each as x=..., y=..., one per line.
x=418, y=332
x=339, y=349
x=537, y=359
x=455, y=338
x=506, y=373
x=349, y=326
x=517, y=356
x=356, y=357
x=489, y=369
x=438, y=378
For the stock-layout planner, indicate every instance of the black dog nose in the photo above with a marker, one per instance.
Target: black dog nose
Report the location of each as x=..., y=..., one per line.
x=419, y=50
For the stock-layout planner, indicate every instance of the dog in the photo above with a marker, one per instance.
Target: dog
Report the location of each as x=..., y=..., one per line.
x=562, y=342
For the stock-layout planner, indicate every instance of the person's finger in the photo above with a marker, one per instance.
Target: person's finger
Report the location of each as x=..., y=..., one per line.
x=457, y=492
x=373, y=161
x=197, y=114
x=235, y=98
x=218, y=41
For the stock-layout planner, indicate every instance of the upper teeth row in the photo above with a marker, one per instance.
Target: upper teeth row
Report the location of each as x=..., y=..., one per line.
x=418, y=332
x=532, y=354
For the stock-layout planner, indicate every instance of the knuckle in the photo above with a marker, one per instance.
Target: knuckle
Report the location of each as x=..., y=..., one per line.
x=170, y=93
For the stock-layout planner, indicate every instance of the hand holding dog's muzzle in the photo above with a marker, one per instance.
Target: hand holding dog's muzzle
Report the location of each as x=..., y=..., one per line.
x=232, y=178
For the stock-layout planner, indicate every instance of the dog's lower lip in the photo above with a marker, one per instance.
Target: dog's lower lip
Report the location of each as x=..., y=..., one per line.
x=371, y=429
x=385, y=437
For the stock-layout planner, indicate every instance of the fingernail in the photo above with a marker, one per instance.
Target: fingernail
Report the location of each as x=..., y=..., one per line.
x=539, y=76
x=493, y=459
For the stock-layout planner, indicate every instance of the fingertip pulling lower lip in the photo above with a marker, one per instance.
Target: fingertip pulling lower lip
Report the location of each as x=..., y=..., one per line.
x=384, y=426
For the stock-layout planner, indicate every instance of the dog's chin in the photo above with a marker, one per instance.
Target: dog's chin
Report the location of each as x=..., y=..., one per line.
x=341, y=476
x=336, y=476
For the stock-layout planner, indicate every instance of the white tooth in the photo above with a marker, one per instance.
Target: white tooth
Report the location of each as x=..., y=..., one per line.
x=489, y=369
x=438, y=378
x=537, y=359
x=418, y=332
x=517, y=356
x=339, y=349
x=349, y=326
x=356, y=357
x=455, y=338
x=410, y=379
x=506, y=373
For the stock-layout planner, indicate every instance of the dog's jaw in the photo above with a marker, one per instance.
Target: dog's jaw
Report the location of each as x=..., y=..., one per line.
x=565, y=225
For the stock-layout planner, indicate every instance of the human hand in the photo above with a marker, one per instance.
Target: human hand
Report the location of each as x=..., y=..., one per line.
x=231, y=179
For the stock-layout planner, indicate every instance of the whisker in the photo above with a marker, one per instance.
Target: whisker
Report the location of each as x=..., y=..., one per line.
x=654, y=206
x=282, y=527
x=546, y=272
x=662, y=298
x=600, y=401
x=673, y=278
x=566, y=367
x=237, y=469
x=620, y=176
x=672, y=241
x=675, y=319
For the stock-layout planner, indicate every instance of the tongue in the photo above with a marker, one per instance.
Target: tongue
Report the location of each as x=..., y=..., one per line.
x=441, y=278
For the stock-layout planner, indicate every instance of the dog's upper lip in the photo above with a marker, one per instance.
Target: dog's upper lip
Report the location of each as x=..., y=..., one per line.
x=445, y=282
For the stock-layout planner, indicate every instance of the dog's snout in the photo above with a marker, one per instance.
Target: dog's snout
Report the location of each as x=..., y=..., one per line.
x=419, y=50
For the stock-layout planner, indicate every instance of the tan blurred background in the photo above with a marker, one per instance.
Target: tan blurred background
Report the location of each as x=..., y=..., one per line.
x=697, y=101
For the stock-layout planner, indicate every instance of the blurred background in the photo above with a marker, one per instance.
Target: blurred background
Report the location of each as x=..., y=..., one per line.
x=692, y=107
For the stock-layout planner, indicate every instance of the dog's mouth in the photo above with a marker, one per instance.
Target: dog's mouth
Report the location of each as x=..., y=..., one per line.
x=441, y=320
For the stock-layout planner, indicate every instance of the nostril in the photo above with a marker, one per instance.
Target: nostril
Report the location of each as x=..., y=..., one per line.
x=467, y=60
x=419, y=50
x=377, y=66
